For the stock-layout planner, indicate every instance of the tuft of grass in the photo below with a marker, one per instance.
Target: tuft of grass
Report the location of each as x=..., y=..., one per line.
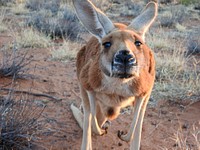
x=189, y=140
x=3, y=26
x=193, y=45
x=166, y=1
x=159, y=40
x=99, y=4
x=19, y=122
x=19, y=9
x=14, y=65
x=29, y=38
x=67, y=51
x=180, y=27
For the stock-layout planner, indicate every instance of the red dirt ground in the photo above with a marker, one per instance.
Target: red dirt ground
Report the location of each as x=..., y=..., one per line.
x=162, y=123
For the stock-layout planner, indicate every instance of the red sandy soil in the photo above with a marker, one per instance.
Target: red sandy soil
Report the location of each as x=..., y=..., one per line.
x=161, y=123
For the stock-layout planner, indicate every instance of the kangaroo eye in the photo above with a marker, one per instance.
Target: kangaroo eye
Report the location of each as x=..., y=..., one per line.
x=138, y=43
x=107, y=44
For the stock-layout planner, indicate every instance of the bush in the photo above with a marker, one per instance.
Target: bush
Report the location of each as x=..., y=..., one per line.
x=5, y=2
x=188, y=2
x=166, y=1
x=193, y=46
x=171, y=17
x=19, y=122
x=131, y=9
x=54, y=19
x=14, y=65
x=37, y=5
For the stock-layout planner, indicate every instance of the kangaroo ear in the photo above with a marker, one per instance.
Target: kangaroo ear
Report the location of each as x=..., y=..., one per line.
x=95, y=21
x=142, y=22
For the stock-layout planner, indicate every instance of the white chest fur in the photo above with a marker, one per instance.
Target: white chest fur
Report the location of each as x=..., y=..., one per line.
x=121, y=87
x=115, y=92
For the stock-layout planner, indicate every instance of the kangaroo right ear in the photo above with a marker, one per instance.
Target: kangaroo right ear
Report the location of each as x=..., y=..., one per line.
x=95, y=21
x=142, y=22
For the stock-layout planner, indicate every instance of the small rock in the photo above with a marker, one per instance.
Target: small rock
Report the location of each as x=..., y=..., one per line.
x=149, y=115
x=185, y=126
x=175, y=145
x=119, y=144
x=164, y=112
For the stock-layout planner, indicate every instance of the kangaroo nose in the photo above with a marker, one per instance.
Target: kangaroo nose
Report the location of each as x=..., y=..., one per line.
x=124, y=57
x=123, y=52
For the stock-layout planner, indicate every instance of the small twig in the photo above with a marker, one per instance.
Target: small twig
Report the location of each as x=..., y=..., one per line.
x=75, y=94
x=30, y=93
x=153, y=130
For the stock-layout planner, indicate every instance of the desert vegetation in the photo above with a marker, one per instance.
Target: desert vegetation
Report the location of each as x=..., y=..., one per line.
x=20, y=127
x=39, y=40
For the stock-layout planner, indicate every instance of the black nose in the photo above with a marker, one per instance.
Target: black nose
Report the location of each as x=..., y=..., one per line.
x=124, y=57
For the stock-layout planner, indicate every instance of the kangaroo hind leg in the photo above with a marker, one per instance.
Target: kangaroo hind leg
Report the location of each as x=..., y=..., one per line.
x=78, y=115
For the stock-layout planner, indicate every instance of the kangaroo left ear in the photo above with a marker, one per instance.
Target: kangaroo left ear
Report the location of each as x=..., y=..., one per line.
x=142, y=22
x=94, y=20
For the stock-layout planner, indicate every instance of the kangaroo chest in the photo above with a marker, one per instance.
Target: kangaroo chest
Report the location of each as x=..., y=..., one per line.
x=114, y=100
x=115, y=93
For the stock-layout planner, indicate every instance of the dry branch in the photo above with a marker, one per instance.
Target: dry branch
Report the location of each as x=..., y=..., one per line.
x=31, y=93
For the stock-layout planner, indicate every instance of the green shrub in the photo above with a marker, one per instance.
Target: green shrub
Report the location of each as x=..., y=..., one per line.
x=188, y=2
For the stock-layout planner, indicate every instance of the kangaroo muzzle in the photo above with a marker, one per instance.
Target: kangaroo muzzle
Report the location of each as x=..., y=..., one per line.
x=123, y=62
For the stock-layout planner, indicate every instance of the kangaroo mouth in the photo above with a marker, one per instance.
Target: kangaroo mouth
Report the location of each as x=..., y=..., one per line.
x=123, y=64
x=123, y=76
x=120, y=71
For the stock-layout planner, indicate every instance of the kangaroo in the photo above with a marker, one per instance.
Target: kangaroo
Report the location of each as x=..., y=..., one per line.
x=115, y=69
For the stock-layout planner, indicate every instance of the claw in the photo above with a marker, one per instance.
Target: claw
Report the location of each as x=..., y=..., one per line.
x=122, y=135
x=106, y=125
x=104, y=131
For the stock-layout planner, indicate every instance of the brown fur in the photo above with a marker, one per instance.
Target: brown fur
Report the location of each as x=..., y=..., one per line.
x=90, y=76
x=116, y=75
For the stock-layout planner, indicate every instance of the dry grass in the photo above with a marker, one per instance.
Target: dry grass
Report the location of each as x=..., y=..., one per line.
x=19, y=122
x=29, y=38
x=177, y=75
x=103, y=4
x=66, y=51
x=6, y=2
x=185, y=137
x=187, y=140
x=180, y=27
x=158, y=41
x=14, y=64
x=171, y=15
x=19, y=9
x=188, y=2
x=3, y=26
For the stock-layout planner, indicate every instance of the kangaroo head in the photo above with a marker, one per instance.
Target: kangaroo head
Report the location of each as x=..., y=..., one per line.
x=123, y=51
